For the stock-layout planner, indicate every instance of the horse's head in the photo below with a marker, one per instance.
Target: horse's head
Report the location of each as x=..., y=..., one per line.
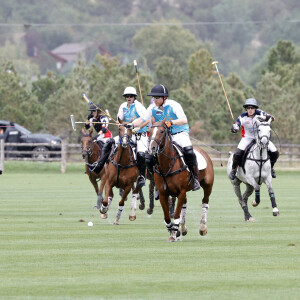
x=157, y=136
x=86, y=142
x=124, y=134
x=263, y=132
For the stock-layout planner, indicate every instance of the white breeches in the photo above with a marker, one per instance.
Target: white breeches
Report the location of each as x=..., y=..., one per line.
x=244, y=142
x=182, y=139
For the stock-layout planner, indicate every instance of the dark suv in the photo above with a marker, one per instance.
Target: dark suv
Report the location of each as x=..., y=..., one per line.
x=14, y=133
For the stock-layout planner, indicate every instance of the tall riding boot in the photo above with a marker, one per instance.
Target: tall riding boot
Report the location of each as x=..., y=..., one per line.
x=142, y=168
x=191, y=161
x=236, y=160
x=273, y=158
x=150, y=161
x=98, y=166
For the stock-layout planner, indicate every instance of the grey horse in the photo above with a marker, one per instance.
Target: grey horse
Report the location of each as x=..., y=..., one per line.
x=256, y=170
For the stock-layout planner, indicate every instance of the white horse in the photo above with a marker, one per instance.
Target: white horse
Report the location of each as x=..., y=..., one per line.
x=257, y=169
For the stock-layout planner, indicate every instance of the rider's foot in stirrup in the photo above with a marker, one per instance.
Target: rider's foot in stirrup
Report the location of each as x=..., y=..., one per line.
x=232, y=174
x=140, y=181
x=196, y=186
x=273, y=174
x=91, y=166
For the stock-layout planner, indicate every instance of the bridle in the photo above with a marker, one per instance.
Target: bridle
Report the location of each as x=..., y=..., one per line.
x=88, y=149
x=124, y=139
x=159, y=150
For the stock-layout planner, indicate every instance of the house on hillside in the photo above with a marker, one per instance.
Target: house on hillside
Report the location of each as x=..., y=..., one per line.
x=68, y=53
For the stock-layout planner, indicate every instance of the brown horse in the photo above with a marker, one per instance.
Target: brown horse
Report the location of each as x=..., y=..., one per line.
x=121, y=172
x=91, y=152
x=172, y=178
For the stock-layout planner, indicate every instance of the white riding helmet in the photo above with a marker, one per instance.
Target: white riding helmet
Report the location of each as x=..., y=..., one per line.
x=130, y=91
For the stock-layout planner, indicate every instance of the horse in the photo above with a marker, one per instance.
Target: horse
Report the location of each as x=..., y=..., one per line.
x=172, y=178
x=122, y=172
x=257, y=169
x=91, y=152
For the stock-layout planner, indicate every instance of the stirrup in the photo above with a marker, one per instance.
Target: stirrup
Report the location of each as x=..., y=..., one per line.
x=140, y=181
x=232, y=174
x=196, y=186
x=273, y=173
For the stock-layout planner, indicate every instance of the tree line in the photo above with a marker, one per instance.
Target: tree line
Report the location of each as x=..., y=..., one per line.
x=45, y=104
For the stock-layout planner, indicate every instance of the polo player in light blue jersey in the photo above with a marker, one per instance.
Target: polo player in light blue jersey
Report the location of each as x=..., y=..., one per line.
x=130, y=110
x=176, y=120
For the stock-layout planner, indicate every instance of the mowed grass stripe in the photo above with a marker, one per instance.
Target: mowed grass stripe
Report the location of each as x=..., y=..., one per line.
x=47, y=252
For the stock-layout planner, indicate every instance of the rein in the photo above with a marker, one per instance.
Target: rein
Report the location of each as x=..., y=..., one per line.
x=161, y=151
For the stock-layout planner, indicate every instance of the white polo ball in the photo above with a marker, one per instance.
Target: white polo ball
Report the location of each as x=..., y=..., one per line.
x=90, y=224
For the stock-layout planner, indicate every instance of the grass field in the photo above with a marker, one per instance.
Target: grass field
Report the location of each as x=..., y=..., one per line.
x=47, y=253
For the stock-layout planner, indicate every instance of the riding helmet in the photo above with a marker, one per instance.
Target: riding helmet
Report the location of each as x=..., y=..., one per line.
x=130, y=91
x=159, y=91
x=250, y=102
x=95, y=107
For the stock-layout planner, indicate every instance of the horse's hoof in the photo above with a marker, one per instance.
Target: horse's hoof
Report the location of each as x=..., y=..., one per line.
x=183, y=230
x=103, y=216
x=96, y=207
x=254, y=204
x=132, y=218
x=115, y=223
x=142, y=206
x=251, y=219
x=171, y=239
x=275, y=212
x=203, y=230
x=150, y=211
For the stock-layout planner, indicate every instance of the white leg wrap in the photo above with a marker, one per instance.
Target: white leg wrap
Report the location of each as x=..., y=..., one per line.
x=133, y=201
x=119, y=212
x=182, y=214
x=109, y=199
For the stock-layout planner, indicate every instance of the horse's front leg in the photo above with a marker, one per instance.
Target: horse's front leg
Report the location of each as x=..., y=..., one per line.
x=248, y=192
x=151, y=197
x=268, y=182
x=121, y=204
x=100, y=193
x=175, y=232
x=182, y=227
x=106, y=201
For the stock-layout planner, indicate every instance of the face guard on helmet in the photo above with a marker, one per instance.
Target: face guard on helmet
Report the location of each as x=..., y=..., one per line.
x=251, y=102
x=129, y=91
x=159, y=91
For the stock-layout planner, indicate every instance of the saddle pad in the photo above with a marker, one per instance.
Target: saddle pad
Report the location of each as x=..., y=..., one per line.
x=202, y=164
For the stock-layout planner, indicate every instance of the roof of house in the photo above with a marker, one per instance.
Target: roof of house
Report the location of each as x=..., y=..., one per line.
x=69, y=51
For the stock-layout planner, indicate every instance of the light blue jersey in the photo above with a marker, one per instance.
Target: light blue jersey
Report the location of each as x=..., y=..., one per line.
x=173, y=110
x=135, y=111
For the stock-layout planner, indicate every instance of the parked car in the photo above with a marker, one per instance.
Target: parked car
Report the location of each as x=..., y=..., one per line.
x=15, y=133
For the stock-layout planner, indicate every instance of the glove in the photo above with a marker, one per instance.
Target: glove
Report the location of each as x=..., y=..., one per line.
x=129, y=125
x=234, y=128
x=168, y=123
x=135, y=130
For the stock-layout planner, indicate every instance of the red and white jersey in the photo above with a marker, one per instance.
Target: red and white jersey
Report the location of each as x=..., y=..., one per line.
x=248, y=124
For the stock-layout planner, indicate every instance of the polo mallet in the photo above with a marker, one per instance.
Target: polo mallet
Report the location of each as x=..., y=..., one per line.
x=104, y=112
x=74, y=123
x=215, y=64
x=137, y=75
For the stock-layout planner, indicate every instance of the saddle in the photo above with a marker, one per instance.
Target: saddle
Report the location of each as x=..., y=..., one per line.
x=244, y=158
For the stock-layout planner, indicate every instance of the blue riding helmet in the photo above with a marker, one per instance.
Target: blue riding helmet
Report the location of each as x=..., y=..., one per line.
x=159, y=91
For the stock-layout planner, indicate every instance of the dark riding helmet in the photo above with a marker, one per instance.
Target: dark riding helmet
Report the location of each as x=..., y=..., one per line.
x=95, y=107
x=159, y=91
x=251, y=102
